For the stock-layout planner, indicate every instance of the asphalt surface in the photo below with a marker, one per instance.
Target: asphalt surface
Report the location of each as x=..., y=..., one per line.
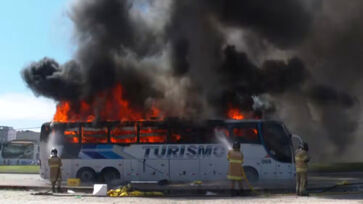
x=318, y=183
x=27, y=197
x=324, y=188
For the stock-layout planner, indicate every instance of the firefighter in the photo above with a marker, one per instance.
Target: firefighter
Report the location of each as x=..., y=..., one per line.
x=55, y=164
x=301, y=161
x=235, y=173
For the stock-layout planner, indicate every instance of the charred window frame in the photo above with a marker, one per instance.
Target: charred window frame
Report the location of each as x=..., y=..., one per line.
x=72, y=141
x=123, y=133
x=190, y=133
x=72, y=134
x=247, y=133
x=94, y=134
x=153, y=133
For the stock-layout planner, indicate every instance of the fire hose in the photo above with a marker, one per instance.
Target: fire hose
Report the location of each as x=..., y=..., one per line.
x=247, y=182
x=337, y=185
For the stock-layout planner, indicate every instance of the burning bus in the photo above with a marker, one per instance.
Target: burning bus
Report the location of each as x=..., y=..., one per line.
x=176, y=150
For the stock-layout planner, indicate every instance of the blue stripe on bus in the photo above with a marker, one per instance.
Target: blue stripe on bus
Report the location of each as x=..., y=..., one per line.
x=94, y=155
x=97, y=146
x=110, y=155
x=104, y=146
x=88, y=146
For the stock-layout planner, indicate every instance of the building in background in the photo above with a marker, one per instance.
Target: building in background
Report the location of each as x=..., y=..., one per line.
x=27, y=135
x=7, y=134
x=18, y=147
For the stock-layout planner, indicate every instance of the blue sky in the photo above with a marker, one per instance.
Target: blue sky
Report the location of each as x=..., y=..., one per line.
x=30, y=30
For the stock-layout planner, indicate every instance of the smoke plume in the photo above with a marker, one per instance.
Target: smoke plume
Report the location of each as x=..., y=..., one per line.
x=198, y=58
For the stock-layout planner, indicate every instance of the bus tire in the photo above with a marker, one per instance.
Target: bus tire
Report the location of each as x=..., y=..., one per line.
x=86, y=175
x=110, y=174
x=251, y=174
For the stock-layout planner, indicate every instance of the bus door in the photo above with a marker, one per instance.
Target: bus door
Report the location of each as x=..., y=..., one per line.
x=278, y=145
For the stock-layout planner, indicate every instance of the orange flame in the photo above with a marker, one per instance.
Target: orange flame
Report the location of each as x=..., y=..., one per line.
x=105, y=106
x=235, y=113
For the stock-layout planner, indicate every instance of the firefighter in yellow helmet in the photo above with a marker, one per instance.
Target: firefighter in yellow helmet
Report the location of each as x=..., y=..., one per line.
x=55, y=164
x=235, y=173
x=301, y=161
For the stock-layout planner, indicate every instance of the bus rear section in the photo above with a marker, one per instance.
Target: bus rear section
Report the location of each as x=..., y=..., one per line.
x=175, y=151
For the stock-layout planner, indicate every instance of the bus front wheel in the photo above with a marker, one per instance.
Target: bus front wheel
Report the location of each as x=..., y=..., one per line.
x=86, y=175
x=110, y=174
x=251, y=174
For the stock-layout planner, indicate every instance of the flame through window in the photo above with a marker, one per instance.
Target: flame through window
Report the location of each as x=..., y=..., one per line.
x=124, y=134
x=71, y=135
x=246, y=134
x=153, y=134
x=94, y=135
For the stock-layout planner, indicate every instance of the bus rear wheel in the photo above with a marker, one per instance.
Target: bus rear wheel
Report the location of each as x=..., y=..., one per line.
x=86, y=175
x=251, y=174
x=110, y=175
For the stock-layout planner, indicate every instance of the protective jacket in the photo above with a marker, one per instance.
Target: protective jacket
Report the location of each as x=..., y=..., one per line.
x=55, y=164
x=301, y=160
x=235, y=159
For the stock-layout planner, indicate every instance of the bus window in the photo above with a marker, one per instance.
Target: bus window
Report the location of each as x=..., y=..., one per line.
x=71, y=135
x=175, y=138
x=153, y=134
x=94, y=135
x=246, y=134
x=277, y=141
x=222, y=131
x=124, y=134
x=191, y=135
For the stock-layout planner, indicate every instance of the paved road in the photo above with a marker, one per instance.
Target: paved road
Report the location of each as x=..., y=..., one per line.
x=316, y=181
x=25, y=197
x=354, y=196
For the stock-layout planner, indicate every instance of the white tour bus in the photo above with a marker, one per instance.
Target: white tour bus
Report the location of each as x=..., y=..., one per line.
x=178, y=151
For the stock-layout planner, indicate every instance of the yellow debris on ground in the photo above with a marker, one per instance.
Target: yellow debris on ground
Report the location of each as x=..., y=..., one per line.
x=343, y=182
x=125, y=191
x=198, y=182
x=73, y=182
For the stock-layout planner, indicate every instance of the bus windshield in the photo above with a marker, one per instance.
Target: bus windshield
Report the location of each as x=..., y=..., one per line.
x=277, y=141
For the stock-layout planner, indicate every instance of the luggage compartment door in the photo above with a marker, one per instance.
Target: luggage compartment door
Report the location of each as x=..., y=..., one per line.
x=184, y=170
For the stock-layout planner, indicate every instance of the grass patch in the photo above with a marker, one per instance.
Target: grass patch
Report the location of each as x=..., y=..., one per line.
x=335, y=167
x=25, y=169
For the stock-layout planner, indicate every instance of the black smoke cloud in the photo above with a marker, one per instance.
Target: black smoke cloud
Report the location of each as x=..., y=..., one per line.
x=242, y=80
x=284, y=22
x=184, y=59
x=48, y=79
x=106, y=33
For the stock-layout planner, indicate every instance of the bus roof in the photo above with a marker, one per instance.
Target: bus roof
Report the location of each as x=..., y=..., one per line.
x=165, y=122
